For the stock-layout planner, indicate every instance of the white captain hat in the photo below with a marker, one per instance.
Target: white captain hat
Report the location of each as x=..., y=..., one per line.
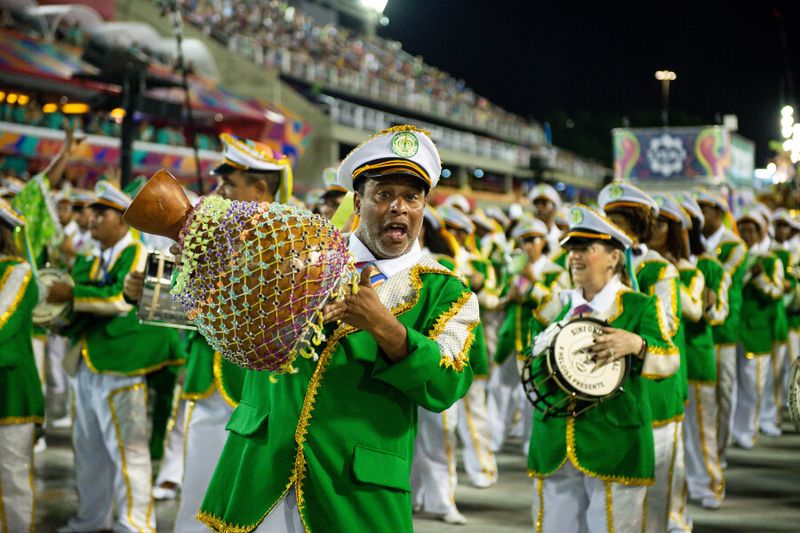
x=670, y=209
x=543, y=190
x=108, y=195
x=497, y=214
x=402, y=149
x=586, y=224
x=82, y=197
x=752, y=215
x=9, y=215
x=615, y=195
x=456, y=219
x=783, y=215
x=252, y=156
x=529, y=227
x=711, y=199
x=459, y=201
x=691, y=206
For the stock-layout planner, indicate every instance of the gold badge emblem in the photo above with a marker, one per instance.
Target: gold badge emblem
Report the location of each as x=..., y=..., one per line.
x=405, y=144
x=576, y=216
x=615, y=192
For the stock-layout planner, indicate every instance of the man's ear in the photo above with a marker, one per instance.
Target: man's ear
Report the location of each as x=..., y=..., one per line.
x=357, y=203
x=262, y=191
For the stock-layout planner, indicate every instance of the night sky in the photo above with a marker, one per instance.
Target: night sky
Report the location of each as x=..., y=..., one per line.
x=599, y=58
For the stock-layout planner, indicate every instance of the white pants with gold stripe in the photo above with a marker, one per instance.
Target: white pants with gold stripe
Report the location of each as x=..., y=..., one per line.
x=569, y=501
x=504, y=391
x=664, y=496
x=171, y=468
x=433, y=470
x=16, y=478
x=771, y=412
x=473, y=430
x=726, y=386
x=751, y=376
x=704, y=475
x=205, y=437
x=110, y=436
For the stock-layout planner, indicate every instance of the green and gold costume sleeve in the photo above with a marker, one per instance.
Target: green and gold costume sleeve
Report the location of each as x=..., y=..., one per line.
x=18, y=296
x=717, y=314
x=106, y=298
x=692, y=296
x=662, y=358
x=770, y=281
x=667, y=290
x=436, y=373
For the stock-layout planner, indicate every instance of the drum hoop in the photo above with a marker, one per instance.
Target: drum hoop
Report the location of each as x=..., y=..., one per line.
x=64, y=308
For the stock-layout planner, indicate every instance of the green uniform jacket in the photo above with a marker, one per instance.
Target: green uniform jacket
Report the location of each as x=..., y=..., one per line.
x=514, y=332
x=785, y=322
x=701, y=360
x=341, y=430
x=613, y=441
x=207, y=371
x=658, y=277
x=732, y=253
x=114, y=342
x=21, y=399
x=762, y=304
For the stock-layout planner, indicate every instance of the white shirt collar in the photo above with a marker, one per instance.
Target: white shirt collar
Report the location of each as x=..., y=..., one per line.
x=388, y=267
x=538, y=266
x=712, y=241
x=601, y=302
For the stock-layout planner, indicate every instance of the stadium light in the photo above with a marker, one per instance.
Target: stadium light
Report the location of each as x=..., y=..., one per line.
x=666, y=75
x=376, y=5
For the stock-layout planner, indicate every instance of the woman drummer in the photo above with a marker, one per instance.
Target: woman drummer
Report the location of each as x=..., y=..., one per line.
x=21, y=399
x=637, y=213
x=591, y=470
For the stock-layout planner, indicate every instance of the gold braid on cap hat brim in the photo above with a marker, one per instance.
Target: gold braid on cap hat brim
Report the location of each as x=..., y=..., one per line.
x=393, y=164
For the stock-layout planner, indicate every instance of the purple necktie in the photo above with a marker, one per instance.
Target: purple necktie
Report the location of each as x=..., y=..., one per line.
x=583, y=309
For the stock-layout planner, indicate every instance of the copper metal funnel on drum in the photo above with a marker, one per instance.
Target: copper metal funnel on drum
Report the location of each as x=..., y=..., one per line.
x=160, y=208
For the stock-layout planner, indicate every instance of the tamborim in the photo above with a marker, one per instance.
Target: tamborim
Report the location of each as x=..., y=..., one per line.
x=794, y=393
x=49, y=315
x=563, y=380
x=156, y=305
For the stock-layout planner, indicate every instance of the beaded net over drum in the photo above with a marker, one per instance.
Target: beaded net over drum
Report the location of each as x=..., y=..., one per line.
x=255, y=277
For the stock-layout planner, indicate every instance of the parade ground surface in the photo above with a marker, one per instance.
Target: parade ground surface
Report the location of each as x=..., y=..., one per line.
x=763, y=492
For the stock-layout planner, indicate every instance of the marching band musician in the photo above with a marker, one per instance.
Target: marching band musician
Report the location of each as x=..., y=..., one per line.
x=591, y=471
x=21, y=399
x=763, y=318
x=329, y=448
x=546, y=203
x=704, y=476
x=732, y=253
x=539, y=279
x=636, y=213
x=110, y=356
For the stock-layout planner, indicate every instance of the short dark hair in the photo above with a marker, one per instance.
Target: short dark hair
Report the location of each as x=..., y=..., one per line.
x=271, y=177
x=642, y=220
x=677, y=244
x=696, y=246
x=361, y=183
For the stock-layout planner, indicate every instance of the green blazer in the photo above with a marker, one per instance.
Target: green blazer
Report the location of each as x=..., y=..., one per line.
x=21, y=399
x=763, y=314
x=732, y=253
x=207, y=371
x=113, y=340
x=701, y=359
x=613, y=441
x=341, y=430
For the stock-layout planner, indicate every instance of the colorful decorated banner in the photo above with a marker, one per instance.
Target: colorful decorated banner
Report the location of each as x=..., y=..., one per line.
x=702, y=155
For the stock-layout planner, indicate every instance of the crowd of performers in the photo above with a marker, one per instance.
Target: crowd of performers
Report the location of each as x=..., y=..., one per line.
x=426, y=355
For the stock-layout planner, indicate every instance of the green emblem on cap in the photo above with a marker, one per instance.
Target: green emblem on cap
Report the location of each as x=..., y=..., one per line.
x=576, y=216
x=659, y=201
x=615, y=192
x=405, y=144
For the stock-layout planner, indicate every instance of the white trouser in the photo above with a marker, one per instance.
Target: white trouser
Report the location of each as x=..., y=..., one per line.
x=284, y=518
x=205, y=437
x=171, y=468
x=704, y=476
x=659, y=495
x=492, y=320
x=569, y=501
x=57, y=377
x=433, y=470
x=726, y=384
x=771, y=414
x=679, y=519
x=503, y=400
x=473, y=430
x=16, y=478
x=111, y=437
x=40, y=358
x=751, y=375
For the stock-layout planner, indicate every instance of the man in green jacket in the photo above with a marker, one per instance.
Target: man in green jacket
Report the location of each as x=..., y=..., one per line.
x=329, y=448
x=111, y=355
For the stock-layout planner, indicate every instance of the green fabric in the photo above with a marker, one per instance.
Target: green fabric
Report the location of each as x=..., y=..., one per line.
x=359, y=441
x=21, y=398
x=733, y=256
x=118, y=344
x=701, y=360
x=41, y=224
x=763, y=316
x=203, y=378
x=615, y=439
x=666, y=395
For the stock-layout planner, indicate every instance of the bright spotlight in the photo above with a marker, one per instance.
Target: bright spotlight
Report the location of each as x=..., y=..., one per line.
x=787, y=111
